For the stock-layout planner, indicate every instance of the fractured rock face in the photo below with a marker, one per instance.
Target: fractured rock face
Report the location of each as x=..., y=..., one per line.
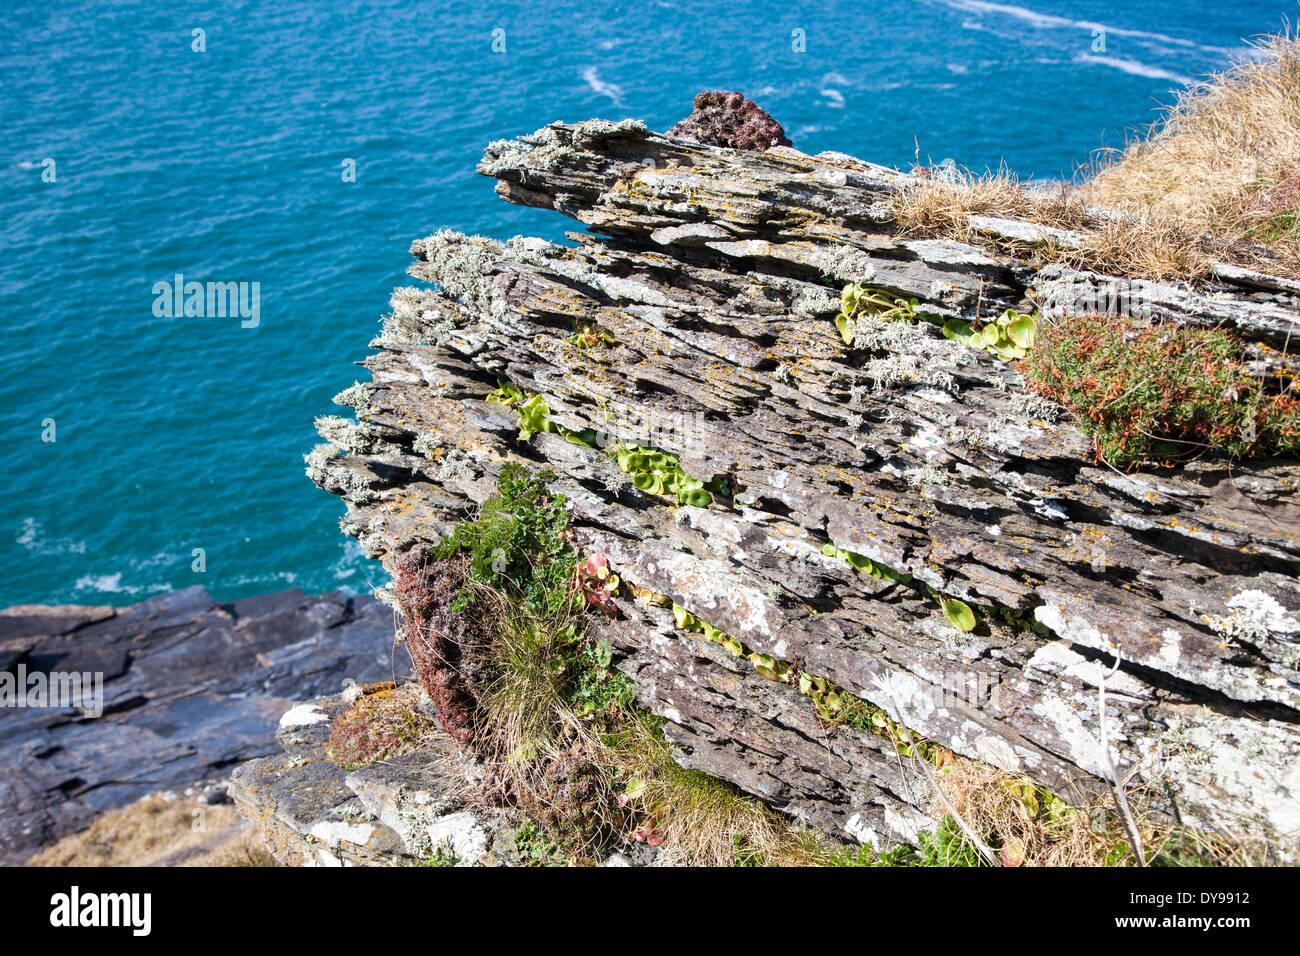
x=717, y=275
x=730, y=120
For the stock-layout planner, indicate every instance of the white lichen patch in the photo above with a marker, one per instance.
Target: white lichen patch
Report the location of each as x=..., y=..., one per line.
x=356, y=395
x=1057, y=659
x=1253, y=617
x=317, y=459
x=857, y=828
x=460, y=833
x=997, y=752
x=907, y=824
x=1030, y=408
x=302, y=715
x=1171, y=648
x=334, y=832
x=1081, y=747
x=462, y=266
x=1233, y=769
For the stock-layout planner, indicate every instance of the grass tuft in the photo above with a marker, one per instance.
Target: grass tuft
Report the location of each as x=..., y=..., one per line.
x=1217, y=178
x=1225, y=158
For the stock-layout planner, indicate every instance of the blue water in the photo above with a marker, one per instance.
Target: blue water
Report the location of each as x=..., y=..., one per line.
x=226, y=165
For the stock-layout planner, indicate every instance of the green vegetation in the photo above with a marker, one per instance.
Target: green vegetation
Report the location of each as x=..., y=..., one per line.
x=535, y=848
x=955, y=612
x=1163, y=393
x=557, y=730
x=442, y=856
x=862, y=563
x=535, y=415
x=517, y=543
x=857, y=300
x=834, y=705
x=1010, y=336
x=659, y=473
x=653, y=470
x=589, y=335
x=538, y=700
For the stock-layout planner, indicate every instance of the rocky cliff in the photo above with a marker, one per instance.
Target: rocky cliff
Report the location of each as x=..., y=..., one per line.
x=851, y=498
x=188, y=687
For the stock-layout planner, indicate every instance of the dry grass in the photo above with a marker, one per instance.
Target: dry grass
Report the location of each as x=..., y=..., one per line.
x=705, y=821
x=1034, y=829
x=1225, y=159
x=596, y=779
x=526, y=712
x=156, y=831
x=1144, y=244
x=1217, y=179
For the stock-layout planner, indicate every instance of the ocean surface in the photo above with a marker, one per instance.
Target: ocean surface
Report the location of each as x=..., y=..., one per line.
x=219, y=141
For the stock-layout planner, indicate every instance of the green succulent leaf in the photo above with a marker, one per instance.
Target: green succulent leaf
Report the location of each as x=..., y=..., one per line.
x=1022, y=329
x=958, y=614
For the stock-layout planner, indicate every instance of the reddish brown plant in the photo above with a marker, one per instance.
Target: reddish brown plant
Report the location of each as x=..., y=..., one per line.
x=730, y=120
x=448, y=647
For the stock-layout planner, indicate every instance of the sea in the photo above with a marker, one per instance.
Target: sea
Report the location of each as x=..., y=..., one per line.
x=294, y=150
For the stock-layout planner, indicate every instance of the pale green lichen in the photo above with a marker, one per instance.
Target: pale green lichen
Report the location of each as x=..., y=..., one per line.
x=417, y=318
x=317, y=459
x=428, y=445
x=1029, y=408
x=356, y=395
x=907, y=369
x=460, y=265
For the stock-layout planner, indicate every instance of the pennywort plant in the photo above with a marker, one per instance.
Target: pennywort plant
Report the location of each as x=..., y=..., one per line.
x=658, y=472
x=1010, y=336
x=833, y=704
x=535, y=415
x=858, y=300
x=955, y=612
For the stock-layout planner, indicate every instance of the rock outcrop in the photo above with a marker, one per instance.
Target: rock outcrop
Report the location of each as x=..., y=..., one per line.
x=190, y=688
x=713, y=277
x=409, y=810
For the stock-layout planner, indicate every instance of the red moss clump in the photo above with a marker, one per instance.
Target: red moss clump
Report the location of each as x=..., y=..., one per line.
x=384, y=722
x=730, y=120
x=448, y=647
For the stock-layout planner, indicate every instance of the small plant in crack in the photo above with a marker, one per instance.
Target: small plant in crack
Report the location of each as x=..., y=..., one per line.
x=1010, y=336
x=858, y=301
x=658, y=472
x=589, y=335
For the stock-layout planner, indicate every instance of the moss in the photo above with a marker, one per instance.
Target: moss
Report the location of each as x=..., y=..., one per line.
x=385, y=722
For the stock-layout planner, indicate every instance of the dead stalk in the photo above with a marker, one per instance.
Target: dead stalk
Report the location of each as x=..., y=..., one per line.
x=971, y=835
x=1108, y=764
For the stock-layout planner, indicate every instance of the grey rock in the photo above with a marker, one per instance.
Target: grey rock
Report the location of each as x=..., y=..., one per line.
x=191, y=688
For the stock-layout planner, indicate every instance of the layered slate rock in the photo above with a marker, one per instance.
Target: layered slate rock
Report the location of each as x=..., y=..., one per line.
x=717, y=273
x=191, y=687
